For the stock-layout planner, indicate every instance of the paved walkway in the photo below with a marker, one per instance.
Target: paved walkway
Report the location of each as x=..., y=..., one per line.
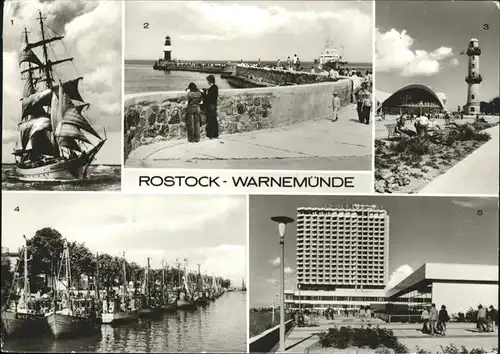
x=301, y=338
x=317, y=144
x=476, y=174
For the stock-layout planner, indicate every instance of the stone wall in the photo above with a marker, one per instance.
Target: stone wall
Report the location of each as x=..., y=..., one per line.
x=280, y=77
x=160, y=116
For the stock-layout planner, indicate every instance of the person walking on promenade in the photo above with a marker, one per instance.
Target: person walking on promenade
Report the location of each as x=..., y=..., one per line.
x=433, y=318
x=359, y=96
x=367, y=107
x=193, y=113
x=362, y=314
x=492, y=318
x=425, y=320
x=481, y=318
x=288, y=63
x=368, y=313
x=210, y=102
x=443, y=318
x=335, y=106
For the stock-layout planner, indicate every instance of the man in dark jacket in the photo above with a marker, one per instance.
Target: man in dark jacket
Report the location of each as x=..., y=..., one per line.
x=210, y=103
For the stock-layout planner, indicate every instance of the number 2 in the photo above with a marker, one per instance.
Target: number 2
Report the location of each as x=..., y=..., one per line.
x=146, y=25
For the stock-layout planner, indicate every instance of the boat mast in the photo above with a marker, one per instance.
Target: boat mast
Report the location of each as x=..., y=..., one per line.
x=124, y=273
x=30, y=75
x=96, y=283
x=148, y=289
x=27, y=291
x=48, y=78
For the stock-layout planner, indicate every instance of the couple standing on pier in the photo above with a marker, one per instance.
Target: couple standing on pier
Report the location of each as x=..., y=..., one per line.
x=197, y=101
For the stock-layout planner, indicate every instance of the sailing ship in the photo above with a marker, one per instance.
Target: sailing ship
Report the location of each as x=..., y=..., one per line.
x=70, y=315
x=24, y=314
x=54, y=142
x=243, y=286
x=150, y=305
x=120, y=307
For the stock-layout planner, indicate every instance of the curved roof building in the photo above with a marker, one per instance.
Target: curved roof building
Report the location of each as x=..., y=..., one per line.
x=413, y=98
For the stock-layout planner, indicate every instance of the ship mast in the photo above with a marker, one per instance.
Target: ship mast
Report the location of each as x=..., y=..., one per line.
x=30, y=75
x=147, y=285
x=27, y=291
x=48, y=78
x=96, y=282
x=124, y=273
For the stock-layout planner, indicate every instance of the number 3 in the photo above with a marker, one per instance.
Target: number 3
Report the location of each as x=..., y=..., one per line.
x=486, y=27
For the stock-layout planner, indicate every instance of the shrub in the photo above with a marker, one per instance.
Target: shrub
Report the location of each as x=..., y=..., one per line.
x=422, y=351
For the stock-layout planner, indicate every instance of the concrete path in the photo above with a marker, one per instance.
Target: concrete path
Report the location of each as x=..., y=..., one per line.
x=316, y=144
x=301, y=338
x=476, y=174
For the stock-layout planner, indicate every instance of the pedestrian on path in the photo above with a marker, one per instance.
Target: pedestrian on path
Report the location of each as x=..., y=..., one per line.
x=367, y=107
x=368, y=313
x=481, y=318
x=433, y=318
x=425, y=320
x=492, y=318
x=210, y=101
x=443, y=318
x=193, y=113
x=335, y=106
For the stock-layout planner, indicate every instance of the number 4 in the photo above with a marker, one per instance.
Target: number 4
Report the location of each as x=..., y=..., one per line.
x=16, y=208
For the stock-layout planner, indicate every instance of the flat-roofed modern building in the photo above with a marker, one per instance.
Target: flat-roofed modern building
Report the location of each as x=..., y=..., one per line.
x=457, y=286
x=342, y=256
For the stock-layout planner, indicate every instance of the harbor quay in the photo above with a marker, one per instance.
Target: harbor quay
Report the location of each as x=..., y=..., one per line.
x=259, y=128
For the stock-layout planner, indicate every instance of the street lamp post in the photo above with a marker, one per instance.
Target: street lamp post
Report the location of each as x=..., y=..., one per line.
x=282, y=221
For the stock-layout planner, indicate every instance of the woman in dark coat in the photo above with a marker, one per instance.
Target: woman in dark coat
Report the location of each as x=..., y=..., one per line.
x=193, y=113
x=210, y=102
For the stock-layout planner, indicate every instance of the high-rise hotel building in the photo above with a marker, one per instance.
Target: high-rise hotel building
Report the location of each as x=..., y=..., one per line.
x=342, y=257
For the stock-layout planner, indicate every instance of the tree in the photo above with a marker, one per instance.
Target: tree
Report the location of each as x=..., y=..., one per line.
x=42, y=247
x=226, y=283
x=109, y=269
x=82, y=262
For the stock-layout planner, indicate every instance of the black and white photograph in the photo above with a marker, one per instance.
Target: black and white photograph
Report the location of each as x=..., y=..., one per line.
x=62, y=78
x=438, y=101
x=141, y=273
x=264, y=85
x=373, y=274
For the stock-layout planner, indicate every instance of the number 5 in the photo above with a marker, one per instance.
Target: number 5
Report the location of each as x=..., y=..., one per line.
x=480, y=212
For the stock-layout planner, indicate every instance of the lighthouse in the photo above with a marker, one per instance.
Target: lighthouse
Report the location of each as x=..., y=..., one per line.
x=473, y=78
x=167, y=49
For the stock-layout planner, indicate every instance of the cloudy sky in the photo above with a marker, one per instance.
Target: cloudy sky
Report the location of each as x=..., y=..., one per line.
x=210, y=230
x=422, y=229
x=248, y=29
x=421, y=42
x=93, y=32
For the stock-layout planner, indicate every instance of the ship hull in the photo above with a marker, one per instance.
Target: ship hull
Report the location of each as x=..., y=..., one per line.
x=120, y=317
x=59, y=171
x=171, y=307
x=20, y=324
x=71, y=326
x=149, y=312
x=186, y=305
x=202, y=301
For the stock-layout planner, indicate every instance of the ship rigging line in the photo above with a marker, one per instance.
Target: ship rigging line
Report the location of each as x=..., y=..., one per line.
x=16, y=278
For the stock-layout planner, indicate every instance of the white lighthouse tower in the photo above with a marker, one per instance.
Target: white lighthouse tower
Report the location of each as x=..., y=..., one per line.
x=167, y=49
x=473, y=78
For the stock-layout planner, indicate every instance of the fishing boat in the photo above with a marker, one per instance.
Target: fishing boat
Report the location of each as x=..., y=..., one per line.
x=202, y=298
x=150, y=305
x=23, y=315
x=56, y=142
x=121, y=307
x=168, y=298
x=70, y=316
